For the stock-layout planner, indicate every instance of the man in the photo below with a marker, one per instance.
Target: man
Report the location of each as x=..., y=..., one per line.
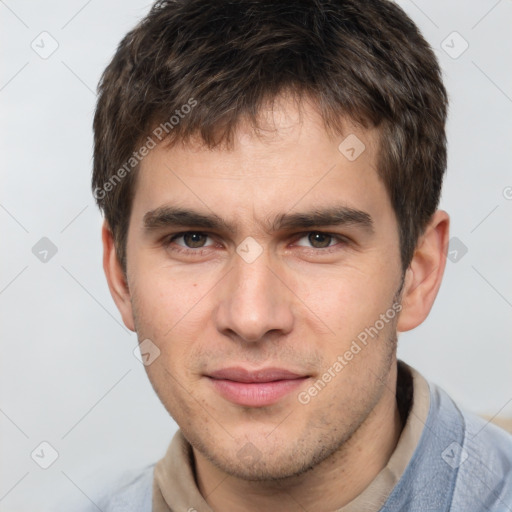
x=270, y=174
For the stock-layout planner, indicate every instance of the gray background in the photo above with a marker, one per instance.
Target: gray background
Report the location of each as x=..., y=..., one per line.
x=69, y=376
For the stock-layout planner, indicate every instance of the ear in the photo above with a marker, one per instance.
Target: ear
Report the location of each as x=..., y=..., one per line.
x=425, y=273
x=115, y=277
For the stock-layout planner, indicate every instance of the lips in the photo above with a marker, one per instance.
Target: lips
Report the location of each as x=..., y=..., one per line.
x=255, y=388
x=239, y=374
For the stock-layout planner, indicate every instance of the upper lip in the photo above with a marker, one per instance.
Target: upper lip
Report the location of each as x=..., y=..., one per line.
x=240, y=374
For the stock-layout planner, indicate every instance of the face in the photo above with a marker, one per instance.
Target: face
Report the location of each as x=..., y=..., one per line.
x=266, y=275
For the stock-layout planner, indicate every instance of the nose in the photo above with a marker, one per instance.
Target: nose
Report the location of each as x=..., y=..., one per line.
x=255, y=303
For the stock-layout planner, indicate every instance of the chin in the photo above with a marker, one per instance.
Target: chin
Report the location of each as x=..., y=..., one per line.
x=269, y=470
x=273, y=464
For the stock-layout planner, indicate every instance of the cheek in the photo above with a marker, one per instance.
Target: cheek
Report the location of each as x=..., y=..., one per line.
x=165, y=299
x=170, y=319
x=346, y=300
x=173, y=311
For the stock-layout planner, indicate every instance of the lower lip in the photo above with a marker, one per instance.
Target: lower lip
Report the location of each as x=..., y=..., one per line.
x=256, y=394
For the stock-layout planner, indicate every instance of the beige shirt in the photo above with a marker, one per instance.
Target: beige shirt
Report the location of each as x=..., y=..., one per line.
x=175, y=489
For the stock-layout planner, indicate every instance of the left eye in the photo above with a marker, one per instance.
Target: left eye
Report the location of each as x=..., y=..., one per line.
x=191, y=240
x=318, y=240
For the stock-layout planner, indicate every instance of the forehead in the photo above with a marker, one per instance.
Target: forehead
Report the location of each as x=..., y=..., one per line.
x=289, y=160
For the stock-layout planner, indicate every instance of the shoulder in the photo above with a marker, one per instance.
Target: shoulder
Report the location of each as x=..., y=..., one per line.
x=480, y=459
x=132, y=492
x=485, y=471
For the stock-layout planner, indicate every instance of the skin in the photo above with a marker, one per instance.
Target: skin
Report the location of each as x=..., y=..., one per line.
x=297, y=306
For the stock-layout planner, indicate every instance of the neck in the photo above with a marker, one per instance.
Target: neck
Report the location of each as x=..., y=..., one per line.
x=330, y=485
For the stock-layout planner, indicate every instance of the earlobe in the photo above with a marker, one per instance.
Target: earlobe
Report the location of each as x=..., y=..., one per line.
x=425, y=273
x=116, y=279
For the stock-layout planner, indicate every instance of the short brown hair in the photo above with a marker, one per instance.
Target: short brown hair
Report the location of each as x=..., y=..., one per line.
x=364, y=60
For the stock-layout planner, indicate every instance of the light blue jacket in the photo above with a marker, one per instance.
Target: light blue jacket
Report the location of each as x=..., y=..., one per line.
x=461, y=464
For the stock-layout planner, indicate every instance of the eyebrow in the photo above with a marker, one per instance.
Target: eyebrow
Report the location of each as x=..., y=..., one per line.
x=170, y=216
x=333, y=216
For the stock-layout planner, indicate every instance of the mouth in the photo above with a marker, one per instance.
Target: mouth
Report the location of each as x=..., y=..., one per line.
x=255, y=388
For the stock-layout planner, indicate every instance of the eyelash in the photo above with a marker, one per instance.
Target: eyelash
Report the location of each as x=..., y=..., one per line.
x=199, y=251
x=181, y=249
